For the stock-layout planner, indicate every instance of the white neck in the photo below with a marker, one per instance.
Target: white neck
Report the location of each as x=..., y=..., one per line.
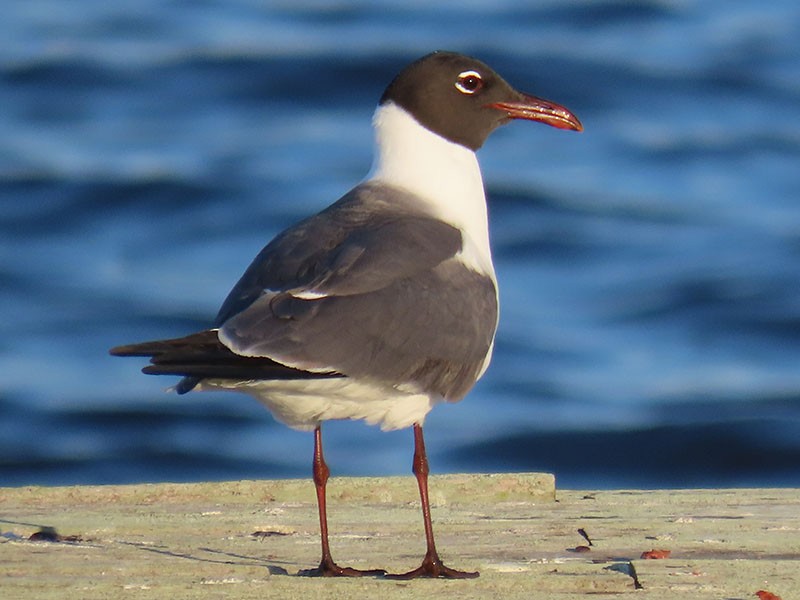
x=444, y=174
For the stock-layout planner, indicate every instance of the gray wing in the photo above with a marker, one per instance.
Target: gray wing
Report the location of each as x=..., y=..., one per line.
x=361, y=243
x=378, y=293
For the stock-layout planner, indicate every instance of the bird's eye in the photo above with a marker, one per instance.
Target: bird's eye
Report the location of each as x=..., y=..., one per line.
x=469, y=82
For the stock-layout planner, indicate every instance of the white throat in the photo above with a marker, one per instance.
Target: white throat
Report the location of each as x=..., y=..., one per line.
x=444, y=174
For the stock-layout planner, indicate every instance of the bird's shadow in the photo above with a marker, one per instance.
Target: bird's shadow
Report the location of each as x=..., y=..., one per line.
x=218, y=557
x=49, y=534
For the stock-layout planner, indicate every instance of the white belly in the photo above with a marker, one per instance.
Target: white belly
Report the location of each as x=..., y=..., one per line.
x=303, y=404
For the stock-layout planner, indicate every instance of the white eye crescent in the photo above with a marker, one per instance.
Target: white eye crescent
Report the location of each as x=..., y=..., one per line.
x=469, y=82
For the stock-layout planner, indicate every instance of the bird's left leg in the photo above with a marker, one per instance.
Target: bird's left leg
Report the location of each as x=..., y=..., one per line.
x=328, y=568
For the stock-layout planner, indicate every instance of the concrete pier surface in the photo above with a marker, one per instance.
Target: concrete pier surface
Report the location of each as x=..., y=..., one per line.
x=248, y=539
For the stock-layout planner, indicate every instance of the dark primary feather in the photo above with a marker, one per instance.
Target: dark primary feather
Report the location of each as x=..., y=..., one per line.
x=201, y=355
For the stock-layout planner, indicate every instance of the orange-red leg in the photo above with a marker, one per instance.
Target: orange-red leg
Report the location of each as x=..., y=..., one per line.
x=432, y=565
x=328, y=568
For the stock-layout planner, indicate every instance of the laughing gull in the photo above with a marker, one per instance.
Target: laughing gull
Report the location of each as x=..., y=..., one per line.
x=385, y=303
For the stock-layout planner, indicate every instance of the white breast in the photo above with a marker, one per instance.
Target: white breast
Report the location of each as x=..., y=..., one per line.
x=444, y=174
x=304, y=403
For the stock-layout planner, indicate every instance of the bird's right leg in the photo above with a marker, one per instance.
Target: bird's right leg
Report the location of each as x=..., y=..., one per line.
x=432, y=565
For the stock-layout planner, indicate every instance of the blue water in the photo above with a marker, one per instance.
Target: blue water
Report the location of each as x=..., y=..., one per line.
x=649, y=267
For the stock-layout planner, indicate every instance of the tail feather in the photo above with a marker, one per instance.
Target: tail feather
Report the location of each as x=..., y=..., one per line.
x=202, y=356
